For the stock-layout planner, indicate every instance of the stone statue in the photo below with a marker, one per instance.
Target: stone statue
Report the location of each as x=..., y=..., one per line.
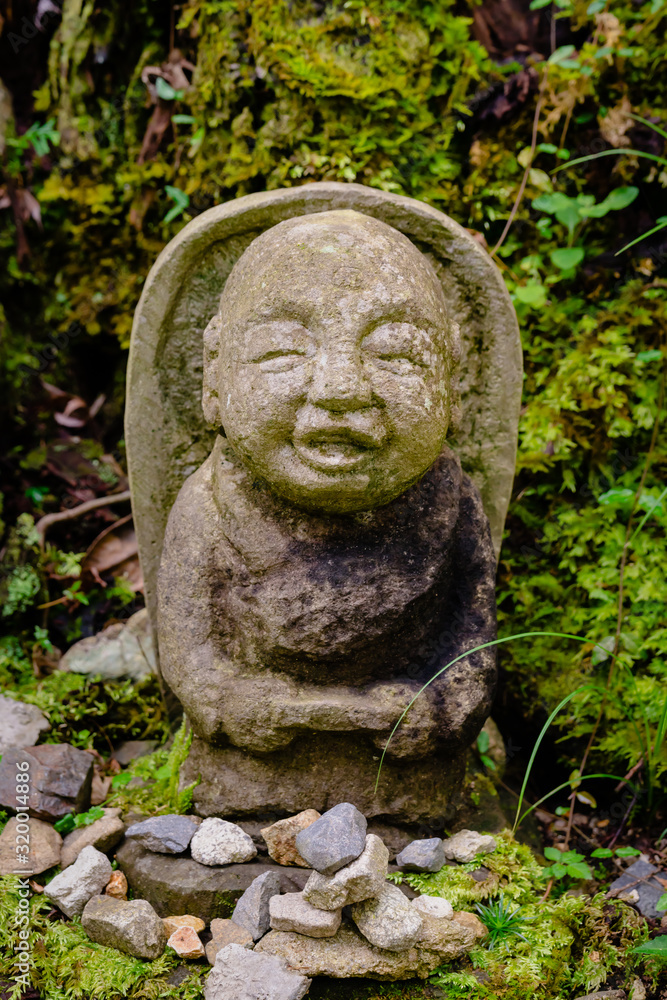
x=330, y=554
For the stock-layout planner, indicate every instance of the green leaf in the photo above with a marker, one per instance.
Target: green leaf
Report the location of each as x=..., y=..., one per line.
x=65, y=825
x=617, y=497
x=627, y=852
x=602, y=649
x=567, y=257
x=182, y=201
x=602, y=852
x=183, y=119
x=552, y=853
x=662, y=902
x=579, y=869
x=595, y=7
x=483, y=741
x=564, y=52
x=539, y=4
x=533, y=295
x=643, y=357
x=166, y=91
x=657, y=947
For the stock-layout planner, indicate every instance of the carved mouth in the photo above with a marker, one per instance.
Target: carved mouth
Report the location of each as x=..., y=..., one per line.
x=337, y=449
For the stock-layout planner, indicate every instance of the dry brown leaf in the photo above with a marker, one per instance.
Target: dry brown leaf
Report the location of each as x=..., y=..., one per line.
x=112, y=548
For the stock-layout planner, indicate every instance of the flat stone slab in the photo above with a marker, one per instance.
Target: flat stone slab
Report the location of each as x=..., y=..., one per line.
x=293, y=912
x=465, y=845
x=239, y=974
x=45, y=847
x=388, y=920
x=334, y=840
x=175, y=885
x=132, y=927
x=348, y=955
x=87, y=877
x=640, y=878
x=422, y=856
x=122, y=650
x=226, y=932
x=60, y=780
x=170, y=834
x=359, y=880
x=252, y=910
x=20, y=724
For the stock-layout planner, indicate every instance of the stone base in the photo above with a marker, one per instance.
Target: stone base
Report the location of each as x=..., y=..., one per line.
x=317, y=772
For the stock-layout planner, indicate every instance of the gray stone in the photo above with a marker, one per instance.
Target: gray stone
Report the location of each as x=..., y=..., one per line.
x=103, y=834
x=169, y=834
x=87, y=877
x=294, y=913
x=465, y=845
x=348, y=955
x=388, y=920
x=252, y=909
x=434, y=906
x=60, y=779
x=389, y=255
x=239, y=974
x=332, y=841
x=175, y=885
x=122, y=650
x=280, y=837
x=44, y=847
x=130, y=750
x=422, y=856
x=133, y=927
x=218, y=842
x=20, y=725
x=359, y=880
x=640, y=878
x=605, y=995
x=226, y=932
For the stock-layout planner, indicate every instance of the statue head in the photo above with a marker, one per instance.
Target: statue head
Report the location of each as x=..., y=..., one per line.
x=329, y=365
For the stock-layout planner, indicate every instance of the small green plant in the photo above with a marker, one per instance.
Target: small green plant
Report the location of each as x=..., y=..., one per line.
x=483, y=744
x=71, y=822
x=566, y=864
x=181, y=201
x=501, y=920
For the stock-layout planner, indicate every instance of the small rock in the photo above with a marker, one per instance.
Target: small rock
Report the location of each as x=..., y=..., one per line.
x=60, y=779
x=169, y=834
x=465, y=845
x=45, y=847
x=122, y=650
x=280, y=837
x=335, y=839
x=359, y=880
x=218, y=842
x=185, y=942
x=605, y=995
x=226, y=932
x=87, y=877
x=172, y=924
x=643, y=894
x=422, y=856
x=435, y=906
x=133, y=927
x=239, y=974
x=131, y=750
x=252, y=909
x=388, y=920
x=294, y=913
x=20, y=724
x=103, y=834
x=117, y=886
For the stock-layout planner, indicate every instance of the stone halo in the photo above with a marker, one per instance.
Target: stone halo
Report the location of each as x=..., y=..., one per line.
x=166, y=434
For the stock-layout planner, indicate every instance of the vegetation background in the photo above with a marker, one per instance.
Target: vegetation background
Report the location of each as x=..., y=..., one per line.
x=120, y=122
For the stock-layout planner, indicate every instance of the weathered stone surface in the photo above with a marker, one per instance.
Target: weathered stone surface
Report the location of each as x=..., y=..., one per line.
x=103, y=834
x=133, y=927
x=252, y=909
x=130, y=750
x=45, y=845
x=239, y=974
x=335, y=839
x=117, y=886
x=388, y=920
x=20, y=724
x=348, y=955
x=218, y=842
x=60, y=778
x=226, y=932
x=434, y=906
x=294, y=913
x=640, y=879
x=185, y=942
x=422, y=856
x=122, y=650
x=280, y=837
x=87, y=877
x=172, y=924
x=359, y=880
x=465, y=845
x=605, y=995
x=169, y=834
x=175, y=885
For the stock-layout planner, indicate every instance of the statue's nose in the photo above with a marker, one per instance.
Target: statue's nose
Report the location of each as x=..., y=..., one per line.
x=339, y=383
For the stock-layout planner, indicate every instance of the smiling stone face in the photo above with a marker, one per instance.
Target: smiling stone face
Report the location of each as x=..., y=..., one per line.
x=329, y=363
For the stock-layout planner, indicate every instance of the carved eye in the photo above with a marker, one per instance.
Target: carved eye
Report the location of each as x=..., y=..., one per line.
x=399, y=348
x=282, y=360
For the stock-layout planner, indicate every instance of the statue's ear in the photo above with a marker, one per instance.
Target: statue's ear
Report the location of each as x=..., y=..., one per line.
x=210, y=396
